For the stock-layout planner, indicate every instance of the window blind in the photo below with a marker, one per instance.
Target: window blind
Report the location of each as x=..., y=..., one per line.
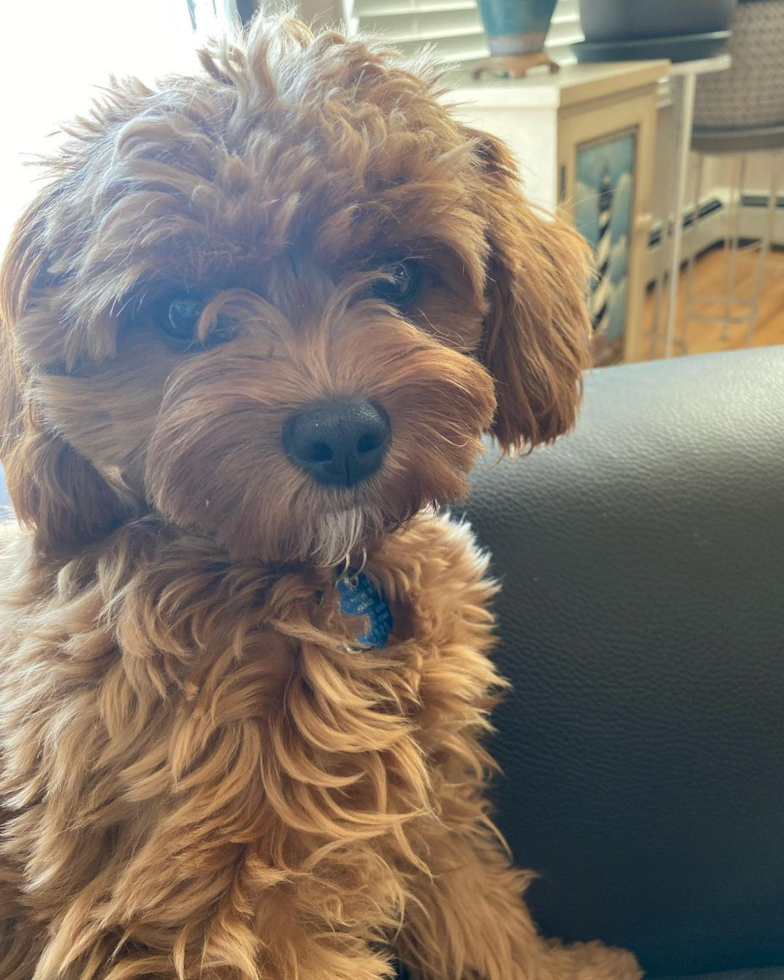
x=453, y=27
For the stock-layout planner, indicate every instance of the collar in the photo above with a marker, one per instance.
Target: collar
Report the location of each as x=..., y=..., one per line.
x=358, y=596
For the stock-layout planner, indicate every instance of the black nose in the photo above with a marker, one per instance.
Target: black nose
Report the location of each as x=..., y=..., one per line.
x=338, y=443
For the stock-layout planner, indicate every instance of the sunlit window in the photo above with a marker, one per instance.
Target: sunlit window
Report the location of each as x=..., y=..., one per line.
x=55, y=53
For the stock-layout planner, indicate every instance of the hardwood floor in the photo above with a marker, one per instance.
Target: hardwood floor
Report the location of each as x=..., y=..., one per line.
x=710, y=279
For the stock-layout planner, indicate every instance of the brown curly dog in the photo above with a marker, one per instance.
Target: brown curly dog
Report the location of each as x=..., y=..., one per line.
x=254, y=328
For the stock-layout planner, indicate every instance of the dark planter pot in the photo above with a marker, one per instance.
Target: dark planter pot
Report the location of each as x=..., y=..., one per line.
x=623, y=20
x=516, y=27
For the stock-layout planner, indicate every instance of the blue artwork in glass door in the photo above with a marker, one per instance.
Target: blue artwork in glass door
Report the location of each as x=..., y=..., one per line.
x=604, y=197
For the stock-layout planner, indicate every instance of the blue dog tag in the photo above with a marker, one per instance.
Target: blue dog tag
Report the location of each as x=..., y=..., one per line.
x=359, y=597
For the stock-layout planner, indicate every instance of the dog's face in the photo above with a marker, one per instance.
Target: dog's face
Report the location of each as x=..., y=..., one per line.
x=280, y=302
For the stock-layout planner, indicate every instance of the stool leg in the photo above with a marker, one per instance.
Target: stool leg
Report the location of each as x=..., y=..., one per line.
x=685, y=99
x=667, y=217
x=660, y=273
x=731, y=239
x=767, y=237
x=687, y=302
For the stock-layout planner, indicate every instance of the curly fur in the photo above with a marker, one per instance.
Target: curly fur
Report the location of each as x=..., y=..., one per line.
x=201, y=774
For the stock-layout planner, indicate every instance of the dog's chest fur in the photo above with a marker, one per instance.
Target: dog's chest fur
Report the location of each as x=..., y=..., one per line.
x=174, y=727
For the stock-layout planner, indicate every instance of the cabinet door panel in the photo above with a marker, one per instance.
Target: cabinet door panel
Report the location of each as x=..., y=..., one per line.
x=606, y=166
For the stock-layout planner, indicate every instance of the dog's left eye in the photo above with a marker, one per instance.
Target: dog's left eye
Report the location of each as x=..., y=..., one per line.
x=178, y=315
x=402, y=285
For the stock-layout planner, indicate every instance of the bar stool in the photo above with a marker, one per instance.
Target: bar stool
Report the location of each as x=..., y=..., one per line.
x=740, y=113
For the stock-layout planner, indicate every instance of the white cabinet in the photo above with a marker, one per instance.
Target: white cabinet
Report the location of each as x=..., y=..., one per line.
x=585, y=142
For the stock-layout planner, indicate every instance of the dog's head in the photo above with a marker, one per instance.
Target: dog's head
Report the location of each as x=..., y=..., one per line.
x=281, y=302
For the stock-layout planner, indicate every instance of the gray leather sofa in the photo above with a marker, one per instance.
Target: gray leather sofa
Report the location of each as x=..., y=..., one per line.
x=642, y=623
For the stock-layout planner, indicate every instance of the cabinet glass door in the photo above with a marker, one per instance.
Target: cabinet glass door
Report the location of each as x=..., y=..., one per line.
x=603, y=213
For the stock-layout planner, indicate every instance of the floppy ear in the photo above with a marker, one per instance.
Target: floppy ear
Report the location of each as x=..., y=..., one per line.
x=54, y=490
x=536, y=335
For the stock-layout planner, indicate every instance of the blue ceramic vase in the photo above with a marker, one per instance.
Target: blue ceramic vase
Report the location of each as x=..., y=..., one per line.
x=516, y=27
